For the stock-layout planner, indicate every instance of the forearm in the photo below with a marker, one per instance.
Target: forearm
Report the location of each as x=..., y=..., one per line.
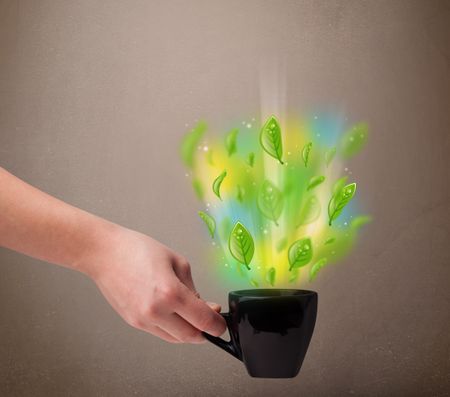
x=148, y=284
x=39, y=225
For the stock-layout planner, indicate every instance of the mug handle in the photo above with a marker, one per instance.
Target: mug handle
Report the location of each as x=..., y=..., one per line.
x=231, y=346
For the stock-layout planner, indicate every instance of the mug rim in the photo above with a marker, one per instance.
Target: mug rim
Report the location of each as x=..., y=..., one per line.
x=271, y=293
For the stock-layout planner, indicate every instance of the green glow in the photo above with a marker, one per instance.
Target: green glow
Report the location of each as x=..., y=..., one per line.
x=278, y=203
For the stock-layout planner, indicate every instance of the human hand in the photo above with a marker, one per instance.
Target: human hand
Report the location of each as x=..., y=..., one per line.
x=151, y=287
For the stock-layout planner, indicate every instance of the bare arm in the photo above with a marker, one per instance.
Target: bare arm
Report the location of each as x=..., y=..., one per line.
x=148, y=284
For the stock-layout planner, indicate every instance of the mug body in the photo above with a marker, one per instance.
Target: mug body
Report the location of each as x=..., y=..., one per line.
x=272, y=329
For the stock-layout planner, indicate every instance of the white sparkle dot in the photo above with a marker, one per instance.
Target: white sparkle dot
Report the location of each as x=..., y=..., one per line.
x=249, y=125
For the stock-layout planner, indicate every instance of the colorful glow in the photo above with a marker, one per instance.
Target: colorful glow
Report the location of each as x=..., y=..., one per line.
x=277, y=179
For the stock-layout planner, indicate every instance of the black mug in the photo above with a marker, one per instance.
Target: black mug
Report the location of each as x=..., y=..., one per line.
x=270, y=330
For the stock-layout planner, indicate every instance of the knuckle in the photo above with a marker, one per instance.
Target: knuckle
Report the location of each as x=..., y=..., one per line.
x=172, y=341
x=136, y=322
x=169, y=295
x=184, y=267
x=152, y=310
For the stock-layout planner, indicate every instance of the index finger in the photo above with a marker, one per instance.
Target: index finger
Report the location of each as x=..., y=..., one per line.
x=198, y=313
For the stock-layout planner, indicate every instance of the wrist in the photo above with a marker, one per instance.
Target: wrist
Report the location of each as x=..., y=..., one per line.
x=102, y=240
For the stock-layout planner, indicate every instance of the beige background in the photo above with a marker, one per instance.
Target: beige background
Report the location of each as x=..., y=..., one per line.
x=94, y=97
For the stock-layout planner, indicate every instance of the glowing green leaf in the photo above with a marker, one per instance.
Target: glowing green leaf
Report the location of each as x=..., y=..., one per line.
x=198, y=188
x=251, y=159
x=270, y=276
x=190, y=142
x=254, y=283
x=310, y=211
x=354, y=140
x=241, y=245
x=270, y=139
x=329, y=155
x=315, y=181
x=360, y=221
x=305, y=153
x=240, y=194
x=316, y=267
x=282, y=244
x=300, y=253
x=270, y=201
x=339, y=184
x=339, y=200
x=230, y=141
x=294, y=275
x=217, y=182
x=209, y=222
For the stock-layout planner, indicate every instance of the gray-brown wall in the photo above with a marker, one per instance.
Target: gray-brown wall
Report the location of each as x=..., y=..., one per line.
x=94, y=97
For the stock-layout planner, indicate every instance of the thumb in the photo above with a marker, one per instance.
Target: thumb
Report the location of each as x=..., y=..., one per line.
x=215, y=306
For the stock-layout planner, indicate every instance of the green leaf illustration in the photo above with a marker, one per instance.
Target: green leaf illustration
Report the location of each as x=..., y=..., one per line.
x=339, y=200
x=316, y=267
x=329, y=155
x=254, y=283
x=270, y=139
x=305, y=153
x=251, y=159
x=230, y=141
x=270, y=276
x=270, y=201
x=310, y=211
x=198, y=189
x=330, y=240
x=240, y=194
x=241, y=245
x=282, y=244
x=315, y=181
x=300, y=253
x=294, y=275
x=339, y=184
x=217, y=183
x=209, y=222
x=354, y=140
x=190, y=142
x=360, y=221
